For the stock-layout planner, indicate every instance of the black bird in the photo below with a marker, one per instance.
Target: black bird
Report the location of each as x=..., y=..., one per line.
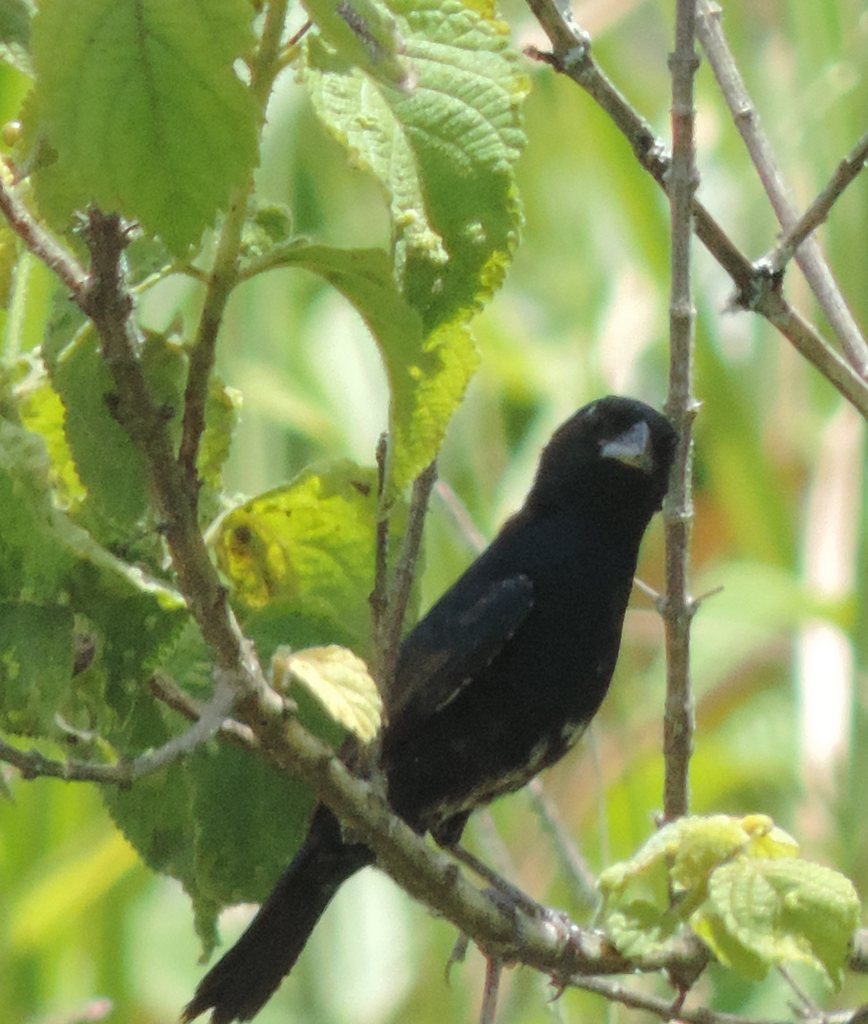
x=495, y=683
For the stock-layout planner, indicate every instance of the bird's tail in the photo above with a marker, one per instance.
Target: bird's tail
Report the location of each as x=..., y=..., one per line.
x=239, y=985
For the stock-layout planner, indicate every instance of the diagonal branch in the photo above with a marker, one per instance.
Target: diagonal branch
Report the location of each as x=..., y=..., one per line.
x=818, y=212
x=33, y=764
x=665, y=1009
x=756, y=288
x=809, y=256
x=38, y=241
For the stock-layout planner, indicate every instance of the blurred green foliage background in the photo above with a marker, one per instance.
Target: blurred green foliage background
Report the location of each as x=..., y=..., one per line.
x=780, y=653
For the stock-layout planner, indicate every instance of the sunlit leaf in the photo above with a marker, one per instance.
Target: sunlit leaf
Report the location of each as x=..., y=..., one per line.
x=764, y=912
x=744, y=890
x=365, y=33
x=428, y=372
x=140, y=105
x=339, y=680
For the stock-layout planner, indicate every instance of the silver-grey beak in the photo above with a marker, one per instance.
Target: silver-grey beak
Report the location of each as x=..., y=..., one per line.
x=632, y=448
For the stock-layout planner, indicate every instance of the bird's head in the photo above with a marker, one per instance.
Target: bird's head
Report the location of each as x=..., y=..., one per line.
x=615, y=452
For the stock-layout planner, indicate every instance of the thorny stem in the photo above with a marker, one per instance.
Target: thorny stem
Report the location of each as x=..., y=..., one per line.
x=109, y=305
x=681, y=409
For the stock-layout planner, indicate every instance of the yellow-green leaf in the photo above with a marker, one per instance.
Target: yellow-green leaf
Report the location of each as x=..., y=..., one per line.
x=761, y=912
x=339, y=680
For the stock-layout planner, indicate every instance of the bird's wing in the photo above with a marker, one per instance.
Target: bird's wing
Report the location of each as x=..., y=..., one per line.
x=455, y=641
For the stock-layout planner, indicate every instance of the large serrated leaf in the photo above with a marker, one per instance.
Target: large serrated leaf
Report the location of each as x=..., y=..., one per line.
x=15, y=16
x=140, y=106
x=59, y=586
x=359, y=114
x=442, y=143
x=428, y=371
x=647, y=898
x=249, y=819
x=744, y=889
x=443, y=146
x=763, y=912
x=36, y=665
x=364, y=32
x=112, y=469
x=42, y=411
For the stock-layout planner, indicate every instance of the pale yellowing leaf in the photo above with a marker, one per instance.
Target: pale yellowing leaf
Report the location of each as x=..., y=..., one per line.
x=339, y=680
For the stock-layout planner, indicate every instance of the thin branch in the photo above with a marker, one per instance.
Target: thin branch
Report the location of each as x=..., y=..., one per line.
x=550, y=943
x=818, y=212
x=756, y=289
x=224, y=274
x=109, y=305
x=379, y=597
x=402, y=580
x=209, y=723
x=493, y=972
x=666, y=1009
x=470, y=532
x=809, y=256
x=38, y=241
x=32, y=764
x=677, y=608
x=584, y=884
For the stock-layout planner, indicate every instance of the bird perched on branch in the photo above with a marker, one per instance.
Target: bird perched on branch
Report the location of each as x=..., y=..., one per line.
x=495, y=683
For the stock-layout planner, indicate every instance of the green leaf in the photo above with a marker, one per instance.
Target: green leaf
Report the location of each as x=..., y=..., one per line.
x=9, y=253
x=764, y=912
x=692, y=847
x=59, y=586
x=678, y=861
x=428, y=372
x=308, y=548
x=443, y=147
x=442, y=143
x=36, y=664
x=222, y=409
x=364, y=32
x=249, y=818
x=42, y=411
x=744, y=889
x=111, y=468
x=361, y=117
x=34, y=560
x=15, y=18
x=140, y=104
x=339, y=680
